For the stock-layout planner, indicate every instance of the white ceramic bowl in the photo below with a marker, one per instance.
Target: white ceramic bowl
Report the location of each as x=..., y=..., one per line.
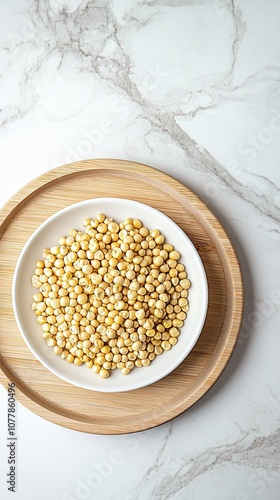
x=47, y=235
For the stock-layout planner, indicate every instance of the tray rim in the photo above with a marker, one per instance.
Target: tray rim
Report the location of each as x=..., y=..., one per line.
x=71, y=169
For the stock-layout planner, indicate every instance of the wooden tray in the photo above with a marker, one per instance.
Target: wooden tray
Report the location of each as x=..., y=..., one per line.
x=118, y=413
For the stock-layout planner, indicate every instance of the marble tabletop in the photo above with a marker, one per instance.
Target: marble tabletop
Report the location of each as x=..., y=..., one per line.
x=192, y=89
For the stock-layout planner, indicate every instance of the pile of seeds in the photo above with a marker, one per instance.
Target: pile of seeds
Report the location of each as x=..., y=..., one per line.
x=111, y=296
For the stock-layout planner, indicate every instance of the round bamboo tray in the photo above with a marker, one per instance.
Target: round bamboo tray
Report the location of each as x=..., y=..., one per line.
x=118, y=413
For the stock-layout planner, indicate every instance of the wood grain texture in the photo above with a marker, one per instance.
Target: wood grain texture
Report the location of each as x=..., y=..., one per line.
x=117, y=413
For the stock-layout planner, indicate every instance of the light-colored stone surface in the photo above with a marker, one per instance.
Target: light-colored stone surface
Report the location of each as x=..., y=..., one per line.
x=191, y=88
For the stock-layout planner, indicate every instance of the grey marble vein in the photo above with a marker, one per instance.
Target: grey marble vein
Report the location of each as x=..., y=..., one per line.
x=160, y=483
x=60, y=34
x=239, y=30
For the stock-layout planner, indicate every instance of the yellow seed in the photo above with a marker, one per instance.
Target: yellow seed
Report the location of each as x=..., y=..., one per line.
x=166, y=345
x=59, y=263
x=51, y=342
x=160, y=304
x=96, y=368
x=137, y=223
x=117, y=253
x=51, y=320
x=174, y=255
x=70, y=358
x=183, y=302
x=57, y=350
x=129, y=254
x=150, y=333
x=64, y=301
x=125, y=371
x=130, y=275
x=158, y=261
x=41, y=306
x=185, y=283
x=82, y=298
x=118, y=280
x=158, y=350
x=145, y=362
x=137, y=345
x=140, y=314
x=99, y=293
x=178, y=323
x=38, y=297
x=174, y=332
x=154, y=233
x=142, y=354
x=149, y=324
x=55, y=303
x=173, y=341
x=104, y=373
x=113, y=227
